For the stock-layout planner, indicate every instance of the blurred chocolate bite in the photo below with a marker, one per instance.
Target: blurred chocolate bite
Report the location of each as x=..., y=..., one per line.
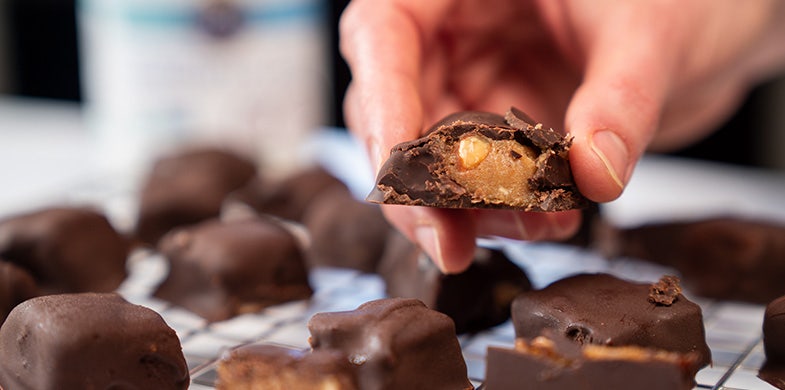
x=89, y=341
x=188, y=187
x=773, y=369
x=476, y=299
x=220, y=269
x=66, y=249
x=16, y=286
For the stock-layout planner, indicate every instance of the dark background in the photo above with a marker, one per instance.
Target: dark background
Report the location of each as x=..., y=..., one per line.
x=41, y=37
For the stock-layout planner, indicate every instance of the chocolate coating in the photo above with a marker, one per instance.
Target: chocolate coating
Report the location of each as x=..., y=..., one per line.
x=221, y=269
x=188, y=187
x=89, y=341
x=723, y=258
x=511, y=164
x=773, y=369
x=603, y=309
x=389, y=352
x=290, y=197
x=562, y=365
x=345, y=232
x=16, y=286
x=261, y=366
x=66, y=249
x=475, y=299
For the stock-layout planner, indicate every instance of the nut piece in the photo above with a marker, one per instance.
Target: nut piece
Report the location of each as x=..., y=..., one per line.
x=472, y=150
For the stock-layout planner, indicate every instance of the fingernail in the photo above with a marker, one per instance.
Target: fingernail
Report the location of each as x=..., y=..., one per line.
x=522, y=232
x=613, y=153
x=428, y=239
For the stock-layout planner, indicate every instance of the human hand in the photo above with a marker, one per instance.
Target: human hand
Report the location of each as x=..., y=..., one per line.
x=619, y=76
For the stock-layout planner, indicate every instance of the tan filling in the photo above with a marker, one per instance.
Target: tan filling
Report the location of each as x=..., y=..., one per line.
x=544, y=347
x=494, y=171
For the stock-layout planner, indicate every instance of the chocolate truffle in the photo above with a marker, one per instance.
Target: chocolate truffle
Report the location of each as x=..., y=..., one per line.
x=722, y=258
x=345, y=232
x=395, y=343
x=475, y=299
x=289, y=197
x=89, y=341
x=66, y=249
x=188, y=187
x=556, y=364
x=16, y=286
x=773, y=370
x=602, y=309
x=481, y=160
x=221, y=269
x=261, y=366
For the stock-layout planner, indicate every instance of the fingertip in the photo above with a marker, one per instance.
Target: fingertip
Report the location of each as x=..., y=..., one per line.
x=601, y=165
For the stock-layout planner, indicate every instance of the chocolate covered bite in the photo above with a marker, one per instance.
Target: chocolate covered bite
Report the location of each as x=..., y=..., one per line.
x=476, y=299
x=602, y=309
x=264, y=366
x=188, y=187
x=345, y=232
x=773, y=369
x=89, y=341
x=555, y=363
x=222, y=269
x=481, y=160
x=66, y=249
x=16, y=286
x=727, y=258
x=395, y=343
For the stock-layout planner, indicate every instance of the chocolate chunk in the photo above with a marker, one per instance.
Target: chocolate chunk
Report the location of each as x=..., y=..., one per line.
x=345, y=232
x=221, y=269
x=261, y=366
x=481, y=160
x=395, y=343
x=66, y=249
x=16, y=286
x=726, y=258
x=89, y=341
x=665, y=291
x=552, y=363
x=476, y=299
x=773, y=369
x=605, y=310
x=188, y=187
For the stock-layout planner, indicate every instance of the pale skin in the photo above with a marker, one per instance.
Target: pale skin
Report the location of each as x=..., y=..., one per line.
x=620, y=76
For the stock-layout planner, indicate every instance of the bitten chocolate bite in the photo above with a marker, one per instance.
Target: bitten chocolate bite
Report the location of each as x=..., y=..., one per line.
x=773, y=369
x=602, y=309
x=481, y=160
x=727, y=258
x=390, y=352
x=89, y=341
x=66, y=249
x=264, y=366
x=188, y=187
x=555, y=363
x=475, y=299
x=16, y=286
x=222, y=269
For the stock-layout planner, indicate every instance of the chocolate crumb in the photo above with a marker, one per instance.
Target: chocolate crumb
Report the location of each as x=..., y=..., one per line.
x=665, y=291
x=515, y=155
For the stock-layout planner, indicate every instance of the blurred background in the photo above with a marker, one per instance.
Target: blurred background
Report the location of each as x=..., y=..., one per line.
x=47, y=47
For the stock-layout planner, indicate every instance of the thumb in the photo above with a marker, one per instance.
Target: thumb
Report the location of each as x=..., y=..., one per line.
x=616, y=110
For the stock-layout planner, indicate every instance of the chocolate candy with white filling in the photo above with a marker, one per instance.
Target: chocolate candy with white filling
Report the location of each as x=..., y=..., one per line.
x=476, y=299
x=773, y=369
x=605, y=310
x=554, y=363
x=220, y=269
x=89, y=341
x=481, y=160
x=66, y=249
x=266, y=366
x=395, y=343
